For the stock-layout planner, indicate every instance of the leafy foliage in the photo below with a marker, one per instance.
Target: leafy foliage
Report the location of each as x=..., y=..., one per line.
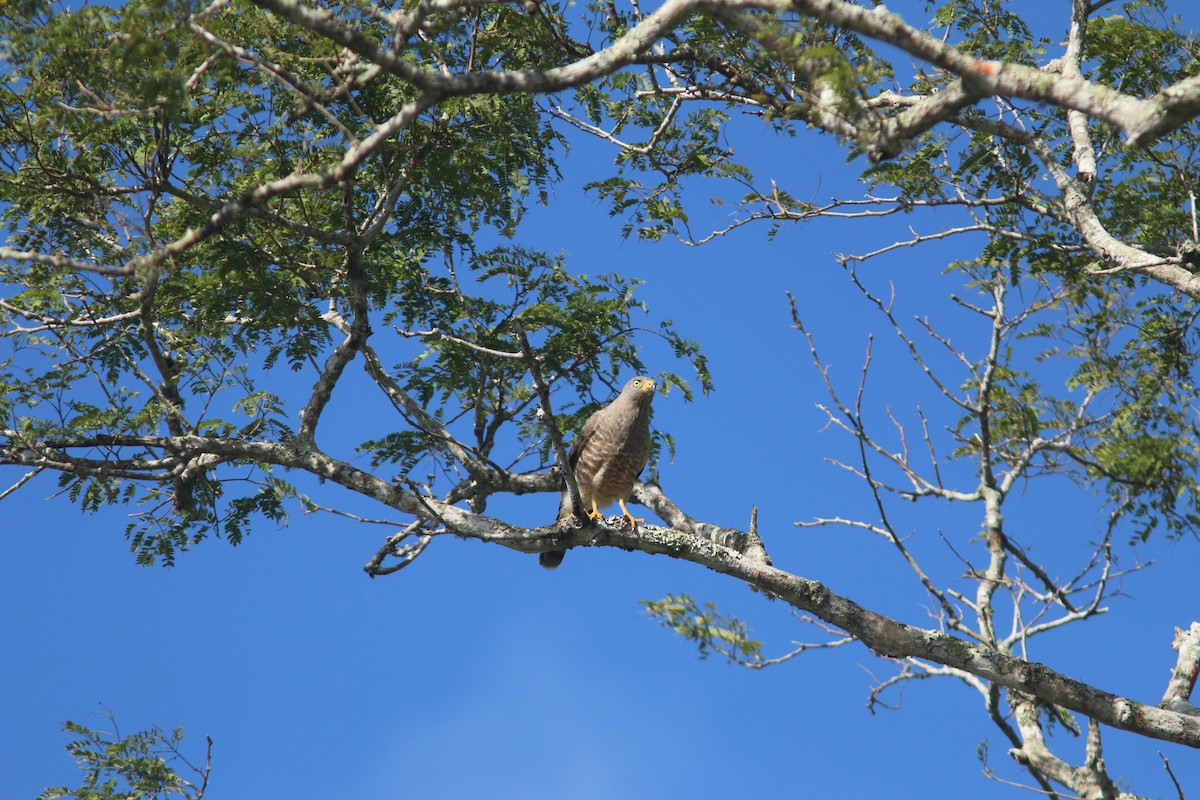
x=181, y=162
x=141, y=765
x=712, y=631
x=213, y=212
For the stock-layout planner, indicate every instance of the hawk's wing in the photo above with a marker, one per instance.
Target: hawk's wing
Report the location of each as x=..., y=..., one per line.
x=645, y=456
x=585, y=435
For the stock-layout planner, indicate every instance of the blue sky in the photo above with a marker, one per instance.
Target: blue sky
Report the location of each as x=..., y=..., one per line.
x=474, y=673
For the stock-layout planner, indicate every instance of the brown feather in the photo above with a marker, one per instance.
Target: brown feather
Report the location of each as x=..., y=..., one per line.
x=608, y=455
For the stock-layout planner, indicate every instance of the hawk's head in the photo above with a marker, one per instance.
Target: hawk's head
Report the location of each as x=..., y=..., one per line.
x=639, y=390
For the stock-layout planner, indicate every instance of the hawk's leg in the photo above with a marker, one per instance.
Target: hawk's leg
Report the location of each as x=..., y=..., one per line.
x=595, y=513
x=633, y=521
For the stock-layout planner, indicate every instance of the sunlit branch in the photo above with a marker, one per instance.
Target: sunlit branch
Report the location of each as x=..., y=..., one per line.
x=24, y=479
x=439, y=335
x=50, y=322
x=1140, y=120
x=1077, y=210
x=385, y=206
x=149, y=264
x=305, y=95
x=663, y=126
x=63, y=262
x=621, y=52
x=321, y=235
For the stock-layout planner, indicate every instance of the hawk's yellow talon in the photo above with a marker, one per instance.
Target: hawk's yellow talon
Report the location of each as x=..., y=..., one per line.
x=630, y=518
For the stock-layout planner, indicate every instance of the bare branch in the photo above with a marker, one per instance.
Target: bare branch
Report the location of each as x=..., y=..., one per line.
x=442, y=336
x=1171, y=774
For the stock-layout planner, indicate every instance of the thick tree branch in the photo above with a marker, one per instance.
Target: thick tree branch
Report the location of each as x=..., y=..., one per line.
x=622, y=52
x=1140, y=120
x=1078, y=211
x=882, y=634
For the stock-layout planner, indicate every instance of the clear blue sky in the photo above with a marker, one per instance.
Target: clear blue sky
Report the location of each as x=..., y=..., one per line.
x=474, y=673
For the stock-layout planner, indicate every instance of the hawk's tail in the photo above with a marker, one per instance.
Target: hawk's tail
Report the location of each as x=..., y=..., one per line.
x=552, y=558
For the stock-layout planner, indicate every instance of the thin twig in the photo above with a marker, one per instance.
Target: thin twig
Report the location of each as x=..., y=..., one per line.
x=1171, y=773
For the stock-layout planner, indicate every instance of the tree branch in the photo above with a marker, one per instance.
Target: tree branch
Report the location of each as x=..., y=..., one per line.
x=1183, y=677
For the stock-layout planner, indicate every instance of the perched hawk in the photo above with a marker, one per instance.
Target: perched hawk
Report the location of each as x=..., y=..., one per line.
x=607, y=456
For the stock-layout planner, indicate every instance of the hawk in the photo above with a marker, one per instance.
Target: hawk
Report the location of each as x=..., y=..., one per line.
x=608, y=456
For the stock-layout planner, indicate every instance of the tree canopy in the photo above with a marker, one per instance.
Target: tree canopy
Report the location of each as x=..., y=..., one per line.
x=223, y=217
